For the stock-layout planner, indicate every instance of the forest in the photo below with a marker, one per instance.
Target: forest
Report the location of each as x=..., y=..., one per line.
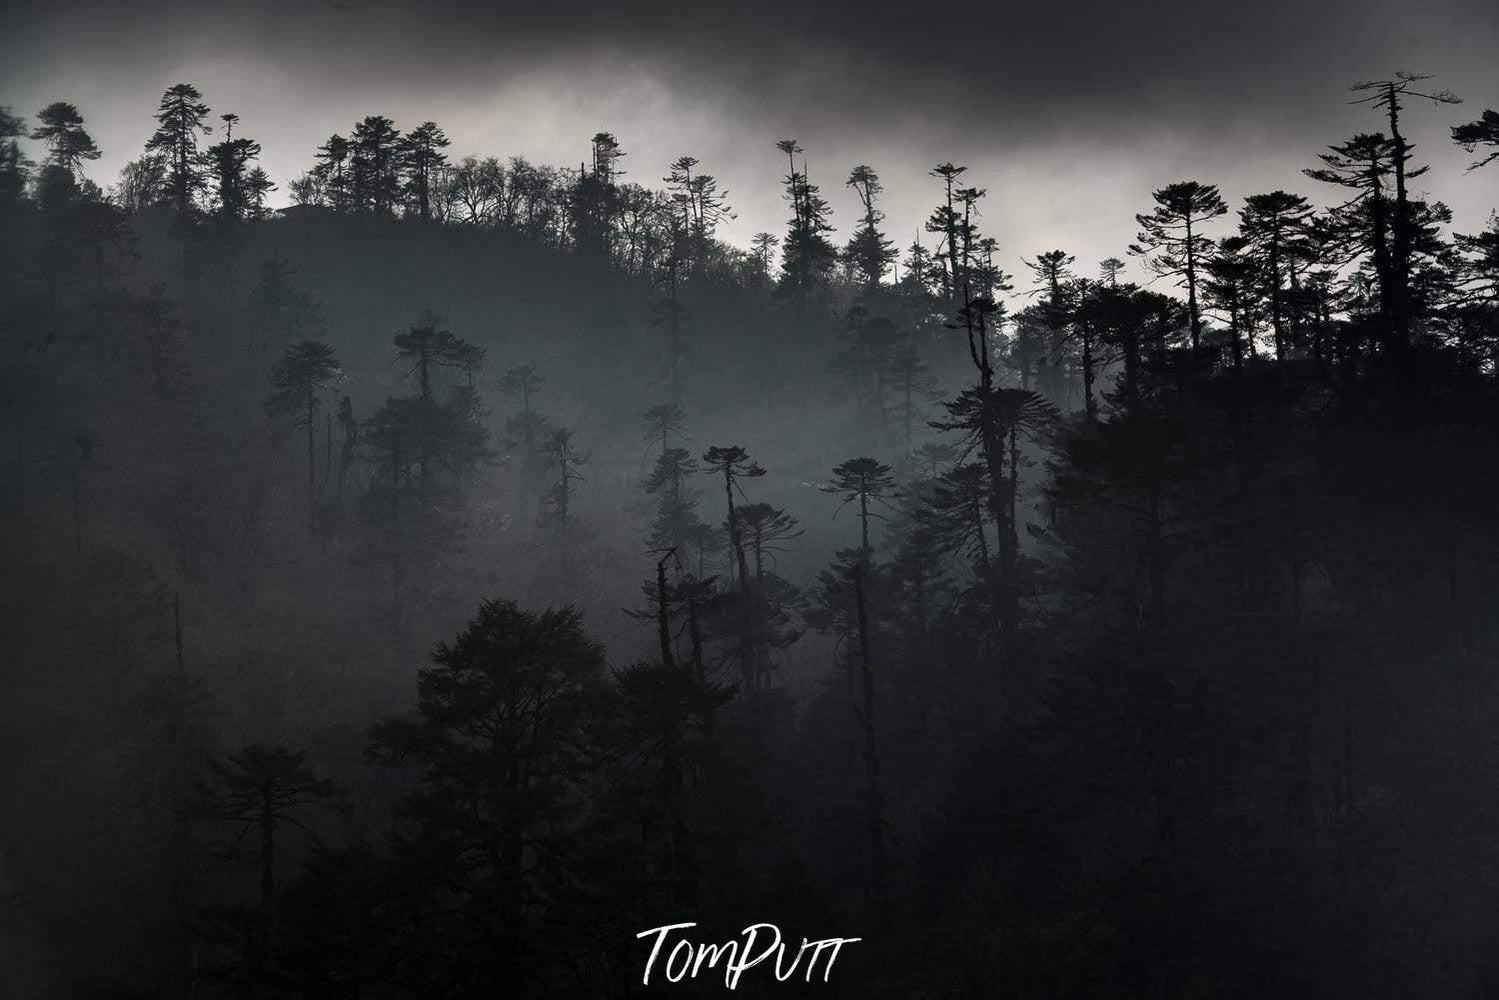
x=424, y=574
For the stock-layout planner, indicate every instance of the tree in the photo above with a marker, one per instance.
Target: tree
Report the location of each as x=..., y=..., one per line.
x=662, y=422
x=676, y=524
x=142, y=184
x=426, y=347
x=765, y=526
x=276, y=313
x=500, y=740
x=700, y=209
x=668, y=313
x=868, y=253
x=1109, y=268
x=334, y=174
x=237, y=191
x=806, y=255
x=1363, y=163
x=259, y=788
x=158, y=342
x=733, y=463
x=1053, y=271
x=1386, y=96
x=1482, y=132
x=865, y=481
x=306, y=371
x=944, y=223
x=421, y=156
x=1171, y=241
x=375, y=166
x=13, y=165
x=1275, y=225
x=862, y=481
x=68, y=144
x=561, y=454
x=478, y=187
x=180, y=119
x=525, y=381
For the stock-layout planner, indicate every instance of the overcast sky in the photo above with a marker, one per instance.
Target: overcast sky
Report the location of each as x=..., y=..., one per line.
x=1070, y=114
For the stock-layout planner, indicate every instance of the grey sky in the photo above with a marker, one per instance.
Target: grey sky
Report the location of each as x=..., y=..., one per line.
x=1068, y=113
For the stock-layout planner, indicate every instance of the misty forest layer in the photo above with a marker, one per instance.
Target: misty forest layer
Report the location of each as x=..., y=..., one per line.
x=419, y=590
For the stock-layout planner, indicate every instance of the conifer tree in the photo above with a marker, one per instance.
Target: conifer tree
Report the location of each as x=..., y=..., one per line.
x=421, y=159
x=68, y=143
x=1171, y=240
x=180, y=120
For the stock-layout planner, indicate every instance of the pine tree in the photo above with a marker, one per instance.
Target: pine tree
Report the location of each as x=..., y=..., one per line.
x=180, y=119
x=375, y=166
x=421, y=160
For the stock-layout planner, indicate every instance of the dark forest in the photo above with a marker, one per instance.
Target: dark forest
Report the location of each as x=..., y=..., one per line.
x=424, y=574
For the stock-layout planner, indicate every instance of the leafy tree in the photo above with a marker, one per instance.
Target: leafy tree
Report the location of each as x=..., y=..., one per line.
x=142, y=184
x=500, y=741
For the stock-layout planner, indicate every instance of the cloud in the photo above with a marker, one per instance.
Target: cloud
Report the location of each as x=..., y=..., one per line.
x=1069, y=113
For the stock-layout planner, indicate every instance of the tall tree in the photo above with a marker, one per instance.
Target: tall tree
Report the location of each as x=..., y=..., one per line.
x=868, y=253
x=501, y=738
x=806, y=254
x=1274, y=226
x=1386, y=96
x=375, y=166
x=298, y=380
x=180, y=118
x=733, y=464
x=422, y=158
x=1171, y=240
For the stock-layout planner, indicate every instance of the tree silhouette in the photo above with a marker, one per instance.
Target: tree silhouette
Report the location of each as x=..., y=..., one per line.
x=180, y=119
x=68, y=144
x=1171, y=240
x=500, y=741
x=298, y=380
x=1482, y=132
